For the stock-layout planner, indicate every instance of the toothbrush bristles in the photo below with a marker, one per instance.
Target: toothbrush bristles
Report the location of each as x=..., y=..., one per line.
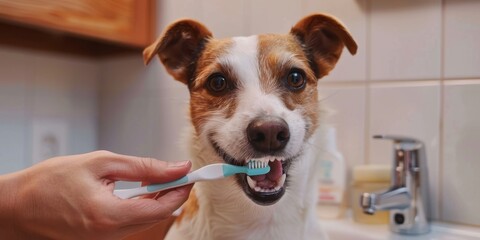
x=252, y=164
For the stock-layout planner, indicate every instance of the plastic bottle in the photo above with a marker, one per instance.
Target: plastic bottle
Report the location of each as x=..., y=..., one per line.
x=332, y=178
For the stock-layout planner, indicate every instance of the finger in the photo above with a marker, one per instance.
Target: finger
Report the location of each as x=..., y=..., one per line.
x=130, y=168
x=137, y=211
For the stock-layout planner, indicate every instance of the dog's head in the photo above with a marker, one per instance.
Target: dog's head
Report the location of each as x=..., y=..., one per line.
x=254, y=97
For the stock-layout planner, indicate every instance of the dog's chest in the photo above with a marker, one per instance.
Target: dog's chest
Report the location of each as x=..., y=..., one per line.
x=222, y=214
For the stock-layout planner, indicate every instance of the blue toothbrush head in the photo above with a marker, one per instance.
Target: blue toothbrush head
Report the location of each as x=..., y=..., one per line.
x=255, y=168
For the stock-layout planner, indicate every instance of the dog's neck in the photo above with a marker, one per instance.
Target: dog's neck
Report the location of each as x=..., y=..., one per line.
x=225, y=212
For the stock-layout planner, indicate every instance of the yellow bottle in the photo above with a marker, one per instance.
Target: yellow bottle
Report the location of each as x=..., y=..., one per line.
x=369, y=178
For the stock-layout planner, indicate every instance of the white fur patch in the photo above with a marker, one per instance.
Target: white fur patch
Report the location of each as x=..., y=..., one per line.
x=252, y=102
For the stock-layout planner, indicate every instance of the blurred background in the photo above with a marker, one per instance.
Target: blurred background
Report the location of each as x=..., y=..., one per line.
x=72, y=80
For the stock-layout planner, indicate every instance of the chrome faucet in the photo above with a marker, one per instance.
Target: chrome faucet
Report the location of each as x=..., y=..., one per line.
x=408, y=197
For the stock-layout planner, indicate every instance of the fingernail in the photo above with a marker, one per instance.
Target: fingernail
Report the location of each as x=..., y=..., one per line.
x=178, y=163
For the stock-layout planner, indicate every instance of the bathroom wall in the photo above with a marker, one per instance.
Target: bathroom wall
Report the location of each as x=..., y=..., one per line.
x=416, y=74
x=48, y=106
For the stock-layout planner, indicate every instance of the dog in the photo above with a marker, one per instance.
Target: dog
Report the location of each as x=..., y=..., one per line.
x=255, y=98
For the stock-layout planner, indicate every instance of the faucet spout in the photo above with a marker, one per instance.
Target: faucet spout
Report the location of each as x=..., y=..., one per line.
x=395, y=198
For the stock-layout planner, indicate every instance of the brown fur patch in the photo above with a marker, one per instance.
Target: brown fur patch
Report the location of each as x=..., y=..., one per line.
x=189, y=209
x=204, y=103
x=178, y=47
x=278, y=55
x=324, y=37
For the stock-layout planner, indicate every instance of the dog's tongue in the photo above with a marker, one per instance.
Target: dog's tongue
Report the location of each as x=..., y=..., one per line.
x=276, y=171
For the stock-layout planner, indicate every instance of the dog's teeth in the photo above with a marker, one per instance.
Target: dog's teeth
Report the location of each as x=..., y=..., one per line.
x=282, y=180
x=258, y=189
x=252, y=183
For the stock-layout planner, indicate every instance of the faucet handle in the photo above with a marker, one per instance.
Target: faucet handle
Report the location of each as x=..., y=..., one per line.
x=406, y=148
x=402, y=142
x=395, y=138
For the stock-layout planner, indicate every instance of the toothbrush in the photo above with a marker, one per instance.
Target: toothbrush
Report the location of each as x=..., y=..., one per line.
x=206, y=173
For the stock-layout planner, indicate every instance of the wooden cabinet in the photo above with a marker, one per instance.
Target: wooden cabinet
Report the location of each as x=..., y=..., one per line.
x=127, y=23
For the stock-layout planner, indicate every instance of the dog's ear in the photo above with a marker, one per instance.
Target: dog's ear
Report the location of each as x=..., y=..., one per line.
x=179, y=47
x=323, y=38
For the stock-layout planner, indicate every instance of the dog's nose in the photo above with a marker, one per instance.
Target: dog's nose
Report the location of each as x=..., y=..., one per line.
x=268, y=134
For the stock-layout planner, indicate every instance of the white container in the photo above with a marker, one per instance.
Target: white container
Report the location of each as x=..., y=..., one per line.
x=331, y=179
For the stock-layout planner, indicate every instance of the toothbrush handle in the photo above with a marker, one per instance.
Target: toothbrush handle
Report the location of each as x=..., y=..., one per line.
x=134, y=192
x=209, y=172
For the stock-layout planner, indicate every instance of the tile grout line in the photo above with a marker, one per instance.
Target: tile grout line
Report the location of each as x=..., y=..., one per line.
x=441, y=114
x=368, y=63
x=452, y=81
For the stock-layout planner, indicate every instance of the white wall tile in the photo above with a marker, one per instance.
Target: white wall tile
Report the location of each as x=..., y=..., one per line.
x=84, y=117
x=169, y=119
x=14, y=115
x=42, y=88
x=13, y=150
x=273, y=16
x=461, y=153
x=347, y=114
x=172, y=10
x=51, y=86
x=409, y=110
x=462, y=38
x=233, y=25
x=65, y=89
x=123, y=123
x=405, y=39
x=354, y=16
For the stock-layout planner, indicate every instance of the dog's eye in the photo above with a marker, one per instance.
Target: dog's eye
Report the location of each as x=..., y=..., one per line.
x=296, y=80
x=217, y=84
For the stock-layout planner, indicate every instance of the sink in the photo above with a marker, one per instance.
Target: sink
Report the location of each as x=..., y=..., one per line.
x=347, y=229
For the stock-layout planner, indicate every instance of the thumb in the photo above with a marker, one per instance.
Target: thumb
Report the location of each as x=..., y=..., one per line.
x=121, y=167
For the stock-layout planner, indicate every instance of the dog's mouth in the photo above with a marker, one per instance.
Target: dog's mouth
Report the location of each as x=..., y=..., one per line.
x=268, y=188
x=265, y=189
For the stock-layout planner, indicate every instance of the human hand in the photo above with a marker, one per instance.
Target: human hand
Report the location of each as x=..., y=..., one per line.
x=71, y=197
